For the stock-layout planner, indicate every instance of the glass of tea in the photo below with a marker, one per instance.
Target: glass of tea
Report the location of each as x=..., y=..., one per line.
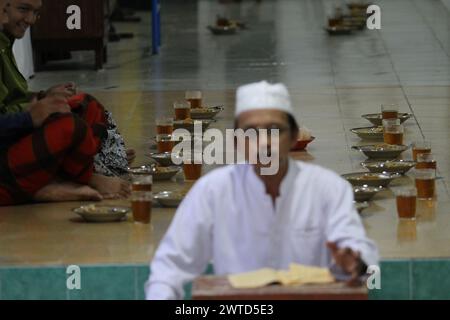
x=406, y=202
x=393, y=131
x=192, y=166
x=334, y=22
x=195, y=98
x=142, y=182
x=426, y=161
x=389, y=111
x=419, y=147
x=182, y=110
x=164, y=126
x=141, y=205
x=425, y=183
x=164, y=143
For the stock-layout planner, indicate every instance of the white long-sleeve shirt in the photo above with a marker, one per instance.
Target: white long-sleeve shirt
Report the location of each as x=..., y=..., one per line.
x=228, y=219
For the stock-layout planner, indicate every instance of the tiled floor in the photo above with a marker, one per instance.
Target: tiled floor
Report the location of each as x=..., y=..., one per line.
x=332, y=80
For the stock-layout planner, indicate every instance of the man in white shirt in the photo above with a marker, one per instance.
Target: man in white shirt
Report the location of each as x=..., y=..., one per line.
x=242, y=220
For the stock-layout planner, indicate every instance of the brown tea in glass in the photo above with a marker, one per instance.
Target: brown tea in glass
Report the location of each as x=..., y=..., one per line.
x=164, y=126
x=392, y=131
x=426, y=161
x=393, y=138
x=417, y=151
x=165, y=146
x=164, y=143
x=195, y=98
x=389, y=111
x=192, y=171
x=406, y=199
x=182, y=110
x=141, y=211
x=406, y=206
x=142, y=182
x=182, y=114
x=141, y=205
x=390, y=114
x=420, y=147
x=192, y=167
x=335, y=22
x=195, y=103
x=425, y=183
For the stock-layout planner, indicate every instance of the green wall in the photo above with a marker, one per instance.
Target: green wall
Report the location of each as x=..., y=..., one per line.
x=400, y=279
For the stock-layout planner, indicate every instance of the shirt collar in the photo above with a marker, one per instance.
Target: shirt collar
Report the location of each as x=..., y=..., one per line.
x=289, y=178
x=286, y=183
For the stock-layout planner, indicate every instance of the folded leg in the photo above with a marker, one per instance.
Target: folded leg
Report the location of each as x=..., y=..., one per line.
x=63, y=148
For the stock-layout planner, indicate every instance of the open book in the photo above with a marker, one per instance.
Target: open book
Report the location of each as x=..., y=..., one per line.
x=296, y=275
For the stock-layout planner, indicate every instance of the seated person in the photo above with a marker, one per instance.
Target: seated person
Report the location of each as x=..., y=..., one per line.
x=47, y=145
x=241, y=219
x=112, y=158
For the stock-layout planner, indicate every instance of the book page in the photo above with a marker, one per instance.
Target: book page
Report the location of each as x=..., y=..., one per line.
x=311, y=275
x=254, y=279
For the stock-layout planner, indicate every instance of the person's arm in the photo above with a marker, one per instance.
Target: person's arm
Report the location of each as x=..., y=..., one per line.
x=346, y=235
x=14, y=123
x=185, y=250
x=15, y=105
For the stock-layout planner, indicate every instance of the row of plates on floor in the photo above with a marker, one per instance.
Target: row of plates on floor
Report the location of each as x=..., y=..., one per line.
x=383, y=164
x=109, y=213
x=162, y=169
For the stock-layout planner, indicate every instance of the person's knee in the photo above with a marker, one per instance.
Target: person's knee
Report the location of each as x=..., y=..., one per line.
x=84, y=103
x=67, y=129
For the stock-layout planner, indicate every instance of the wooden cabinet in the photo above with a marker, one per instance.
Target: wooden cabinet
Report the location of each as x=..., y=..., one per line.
x=50, y=33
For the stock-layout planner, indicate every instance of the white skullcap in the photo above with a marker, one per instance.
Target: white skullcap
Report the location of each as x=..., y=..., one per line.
x=263, y=95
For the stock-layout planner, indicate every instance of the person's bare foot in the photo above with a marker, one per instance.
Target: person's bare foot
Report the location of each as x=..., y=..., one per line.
x=131, y=156
x=67, y=191
x=110, y=187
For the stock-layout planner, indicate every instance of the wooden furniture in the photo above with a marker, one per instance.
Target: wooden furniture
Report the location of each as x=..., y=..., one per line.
x=218, y=288
x=50, y=33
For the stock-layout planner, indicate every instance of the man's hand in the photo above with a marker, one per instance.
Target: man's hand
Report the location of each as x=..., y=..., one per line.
x=131, y=156
x=42, y=109
x=66, y=90
x=348, y=260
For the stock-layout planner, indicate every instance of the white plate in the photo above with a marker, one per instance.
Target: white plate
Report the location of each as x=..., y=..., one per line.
x=370, y=179
x=389, y=166
x=167, y=174
x=376, y=118
x=369, y=133
x=205, y=113
x=102, y=213
x=169, y=198
x=381, y=151
x=222, y=30
x=163, y=159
